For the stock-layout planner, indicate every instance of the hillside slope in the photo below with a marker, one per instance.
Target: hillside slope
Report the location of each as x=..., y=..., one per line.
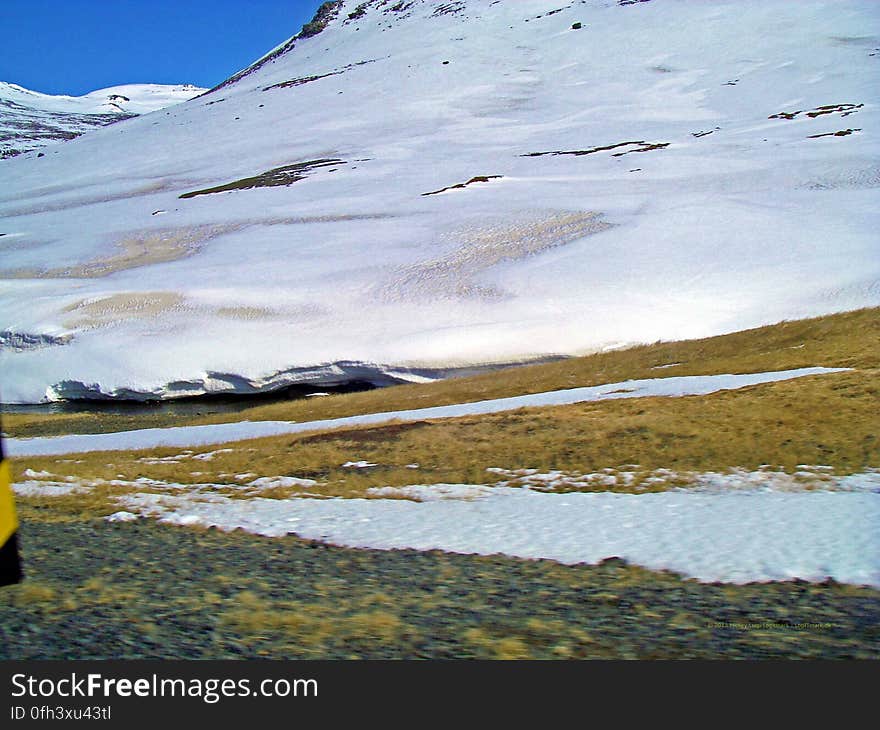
x=427, y=185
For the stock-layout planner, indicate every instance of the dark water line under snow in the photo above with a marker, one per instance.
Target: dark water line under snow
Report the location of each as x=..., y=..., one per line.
x=201, y=405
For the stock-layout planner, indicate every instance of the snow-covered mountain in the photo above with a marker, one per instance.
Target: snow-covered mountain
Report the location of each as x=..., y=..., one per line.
x=30, y=120
x=430, y=184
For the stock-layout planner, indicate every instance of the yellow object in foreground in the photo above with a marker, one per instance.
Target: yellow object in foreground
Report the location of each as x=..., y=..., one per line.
x=10, y=566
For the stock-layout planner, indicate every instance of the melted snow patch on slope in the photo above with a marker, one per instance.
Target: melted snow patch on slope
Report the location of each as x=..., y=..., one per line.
x=433, y=492
x=44, y=488
x=633, y=478
x=199, y=490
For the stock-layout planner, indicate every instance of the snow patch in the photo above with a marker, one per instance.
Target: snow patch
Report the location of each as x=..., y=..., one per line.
x=30, y=473
x=807, y=478
x=48, y=489
x=433, y=492
x=734, y=537
x=122, y=516
x=281, y=481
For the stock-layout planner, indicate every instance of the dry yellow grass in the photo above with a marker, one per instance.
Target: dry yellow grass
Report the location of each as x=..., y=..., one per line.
x=307, y=625
x=50, y=598
x=484, y=643
x=32, y=593
x=52, y=424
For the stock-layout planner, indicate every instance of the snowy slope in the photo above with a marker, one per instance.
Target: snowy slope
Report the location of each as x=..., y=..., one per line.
x=672, y=169
x=30, y=120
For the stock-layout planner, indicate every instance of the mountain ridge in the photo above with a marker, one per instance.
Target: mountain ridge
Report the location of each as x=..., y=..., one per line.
x=30, y=120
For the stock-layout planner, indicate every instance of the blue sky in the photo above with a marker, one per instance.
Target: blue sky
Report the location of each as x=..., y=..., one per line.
x=77, y=46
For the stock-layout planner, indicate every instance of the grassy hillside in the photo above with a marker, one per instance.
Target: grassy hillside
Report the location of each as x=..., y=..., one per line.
x=850, y=339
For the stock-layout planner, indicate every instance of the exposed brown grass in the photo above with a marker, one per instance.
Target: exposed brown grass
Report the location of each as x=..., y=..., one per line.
x=51, y=597
x=27, y=425
x=309, y=626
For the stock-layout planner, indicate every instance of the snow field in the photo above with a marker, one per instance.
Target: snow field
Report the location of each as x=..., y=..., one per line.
x=691, y=197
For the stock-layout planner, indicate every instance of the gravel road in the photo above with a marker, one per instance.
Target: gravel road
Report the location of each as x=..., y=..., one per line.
x=145, y=590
